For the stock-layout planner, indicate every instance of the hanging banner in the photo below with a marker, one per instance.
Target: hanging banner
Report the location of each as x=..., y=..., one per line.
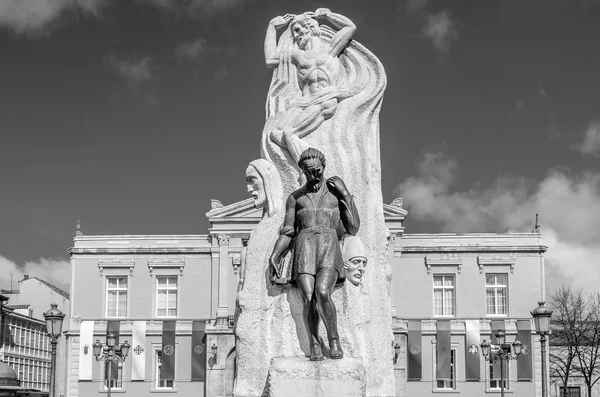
x=198, y=352
x=168, y=351
x=86, y=350
x=414, y=350
x=473, y=350
x=138, y=351
x=497, y=325
x=113, y=326
x=443, y=350
x=524, y=361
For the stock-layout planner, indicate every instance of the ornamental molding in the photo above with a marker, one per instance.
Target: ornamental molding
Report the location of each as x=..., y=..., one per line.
x=116, y=263
x=444, y=260
x=166, y=263
x=223, y=239
x=496, y=260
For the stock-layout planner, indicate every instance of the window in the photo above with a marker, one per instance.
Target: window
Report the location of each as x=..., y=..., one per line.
x=116, y=296
x=449, y=384
x=161, y=383
x=495, y=375
x=495, y=294
x=572, y=391
x=166, y=296
x=443, y=295
x=114, y=383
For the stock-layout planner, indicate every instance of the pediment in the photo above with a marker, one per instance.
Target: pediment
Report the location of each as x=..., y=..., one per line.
x=394, y=210
x=241, y=210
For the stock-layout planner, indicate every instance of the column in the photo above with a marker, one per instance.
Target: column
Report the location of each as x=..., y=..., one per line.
x=222, y=309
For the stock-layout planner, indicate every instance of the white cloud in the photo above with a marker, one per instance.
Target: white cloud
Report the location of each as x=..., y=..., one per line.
x=54, y=271
x=590, y=143
x=441, y=29
x=191, y=50
x=135, y=70
x=569, y=208
x=36, y=16
x=137, y=73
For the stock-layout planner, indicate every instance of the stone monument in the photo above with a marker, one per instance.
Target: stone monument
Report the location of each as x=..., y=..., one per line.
x=326, y=94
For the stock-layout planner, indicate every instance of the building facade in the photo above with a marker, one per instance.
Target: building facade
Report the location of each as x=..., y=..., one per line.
x=27, y=347
x=185, y=285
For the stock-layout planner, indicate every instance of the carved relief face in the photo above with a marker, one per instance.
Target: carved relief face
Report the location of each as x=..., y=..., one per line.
x=313, y=170
x=301, y=34
x=355, y=268
x=256, y=187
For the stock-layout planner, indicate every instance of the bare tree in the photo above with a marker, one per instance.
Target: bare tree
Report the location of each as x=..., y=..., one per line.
x=569, y=312
x=588, y=348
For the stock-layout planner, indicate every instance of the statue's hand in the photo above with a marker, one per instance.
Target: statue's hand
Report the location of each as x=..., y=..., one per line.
x=273, y=269
x=322, y=12
x=281, y=21
x=337, y=187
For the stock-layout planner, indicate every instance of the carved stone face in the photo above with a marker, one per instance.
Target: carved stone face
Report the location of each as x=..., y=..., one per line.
x=313, y=170
x=301, y=34
x=355, y=268
x=256, y=187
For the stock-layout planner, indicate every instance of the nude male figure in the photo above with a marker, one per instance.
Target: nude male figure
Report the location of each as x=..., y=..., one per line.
x=317, y=68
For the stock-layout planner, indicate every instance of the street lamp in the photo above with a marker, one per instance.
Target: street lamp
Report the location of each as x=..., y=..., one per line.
x=502, y=353
x=111, y=353
x=541, y=318
x=54, y=319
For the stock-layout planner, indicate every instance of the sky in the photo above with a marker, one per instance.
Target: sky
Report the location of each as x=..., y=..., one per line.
x=134, y=114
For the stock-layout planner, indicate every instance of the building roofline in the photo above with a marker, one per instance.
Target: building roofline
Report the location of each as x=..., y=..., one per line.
x=51, y=286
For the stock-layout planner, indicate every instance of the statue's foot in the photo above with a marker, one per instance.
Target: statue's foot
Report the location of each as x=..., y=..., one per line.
x=335, y=350
x=315, y=352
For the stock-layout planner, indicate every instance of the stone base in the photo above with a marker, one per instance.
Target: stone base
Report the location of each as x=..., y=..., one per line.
x=299, y=377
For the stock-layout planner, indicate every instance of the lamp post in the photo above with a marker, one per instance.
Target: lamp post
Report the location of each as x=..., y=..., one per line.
x=111, y=353
x=503, y=354
x=541, y=318
x=54, y=319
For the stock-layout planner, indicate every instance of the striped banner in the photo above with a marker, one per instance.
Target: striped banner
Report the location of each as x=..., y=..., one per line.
x=198, y=352
x=168, y=351
x=86, y=350
x=414, y=350
x=524, y=361
x=443, y=350
x=473, y=354
x=497, y=325
x=113, y=326
x=138, y=351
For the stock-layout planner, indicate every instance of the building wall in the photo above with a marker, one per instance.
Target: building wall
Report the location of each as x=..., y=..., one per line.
x=29, y=352
x=38, y=295
x=467, y=258
x=203, y=287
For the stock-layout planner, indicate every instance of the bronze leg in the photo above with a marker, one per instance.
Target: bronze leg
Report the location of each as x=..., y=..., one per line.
x=326, y=278
x=306, y=284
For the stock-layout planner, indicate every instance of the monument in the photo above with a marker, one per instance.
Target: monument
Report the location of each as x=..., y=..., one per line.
x=301, y=329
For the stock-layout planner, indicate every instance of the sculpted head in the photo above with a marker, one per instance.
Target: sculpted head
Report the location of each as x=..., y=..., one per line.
x=312, y=163
x=355, y=259
x=304, y=28
x=264, y=185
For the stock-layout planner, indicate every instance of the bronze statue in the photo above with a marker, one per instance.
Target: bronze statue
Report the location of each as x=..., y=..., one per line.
x=316, y=216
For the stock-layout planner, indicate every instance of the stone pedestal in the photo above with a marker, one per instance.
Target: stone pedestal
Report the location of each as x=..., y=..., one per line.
x=299, y=377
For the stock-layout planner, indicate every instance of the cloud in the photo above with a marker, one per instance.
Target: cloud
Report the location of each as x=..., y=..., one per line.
x=54, y=271
x=191, y=50
x=194, y=8
x=590, y=143
x=568, y=204
x=137, y=72
x=36, y=16
x=221, y=73
x=440, y=28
